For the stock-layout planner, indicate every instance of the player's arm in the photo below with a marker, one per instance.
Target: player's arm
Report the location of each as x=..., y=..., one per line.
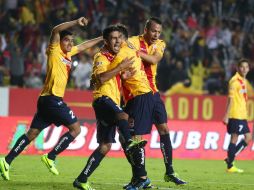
x=88, y=44
x=228, y=107
x=152, y=59
x=55, y=37
x=229, y=102
x=125, y=64
x=156, y=56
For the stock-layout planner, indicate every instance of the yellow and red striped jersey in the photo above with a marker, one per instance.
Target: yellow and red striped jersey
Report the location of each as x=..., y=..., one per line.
x=150, y=69
x=111, y=88
x=138, y=83
x=238, y=96
x=58, y=70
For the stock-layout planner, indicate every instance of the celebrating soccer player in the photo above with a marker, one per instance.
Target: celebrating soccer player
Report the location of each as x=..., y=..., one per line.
x=151, y=49
x=50, y=105
x=106, y=104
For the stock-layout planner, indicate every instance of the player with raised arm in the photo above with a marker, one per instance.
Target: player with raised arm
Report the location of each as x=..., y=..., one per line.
x=50, y=105
x=236, y=115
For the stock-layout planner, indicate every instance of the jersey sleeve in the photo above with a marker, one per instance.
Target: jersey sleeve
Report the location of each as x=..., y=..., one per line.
x=231, y=88
x=161, y=48
x=52, y=47
x=100, y=65
x=134, y=41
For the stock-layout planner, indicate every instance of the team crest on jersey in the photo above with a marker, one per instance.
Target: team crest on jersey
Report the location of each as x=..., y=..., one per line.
x=98, y=63
x=130, y=45
x=66, y=61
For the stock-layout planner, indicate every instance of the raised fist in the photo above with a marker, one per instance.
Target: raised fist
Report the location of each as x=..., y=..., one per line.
x=82, y=21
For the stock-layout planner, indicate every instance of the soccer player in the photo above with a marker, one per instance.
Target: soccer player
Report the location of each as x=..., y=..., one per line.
x=50, y=105
x=236, y=115
x=106, y=104
x=151, y=50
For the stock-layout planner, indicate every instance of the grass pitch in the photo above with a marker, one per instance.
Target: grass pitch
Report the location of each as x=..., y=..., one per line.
x=28, y=172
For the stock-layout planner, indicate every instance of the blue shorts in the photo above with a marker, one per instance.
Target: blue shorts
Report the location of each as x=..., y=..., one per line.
x=105, y=111
x=52, y=109
x=237, y=126
x=160, y=113
x=140, y=110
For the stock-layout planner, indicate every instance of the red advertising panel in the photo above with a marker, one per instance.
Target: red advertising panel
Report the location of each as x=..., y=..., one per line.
x=190, y=140
x=182, y=107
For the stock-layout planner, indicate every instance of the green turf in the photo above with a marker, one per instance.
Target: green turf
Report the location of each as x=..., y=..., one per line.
x=28, y=173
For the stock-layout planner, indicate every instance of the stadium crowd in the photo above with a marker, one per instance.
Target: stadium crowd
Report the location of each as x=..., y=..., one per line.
x=204, y=39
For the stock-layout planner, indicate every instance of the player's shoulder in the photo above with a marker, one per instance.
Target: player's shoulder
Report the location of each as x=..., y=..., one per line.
x=233, y=80
x=100, y=58
x=160, y=42
x=53, y=47
x=133, y=38
x=97, y=55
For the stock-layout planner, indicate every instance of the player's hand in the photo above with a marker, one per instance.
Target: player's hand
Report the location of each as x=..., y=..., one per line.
x=82, y=21
x=128, y=73
x=225, y=120
x=126, y=63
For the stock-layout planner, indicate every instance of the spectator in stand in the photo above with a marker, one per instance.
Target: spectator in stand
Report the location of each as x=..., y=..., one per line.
x=193, y=29
x=178, y=73
x=82, y=72
x=32, y=77
x=4, y=61
x=17, y=63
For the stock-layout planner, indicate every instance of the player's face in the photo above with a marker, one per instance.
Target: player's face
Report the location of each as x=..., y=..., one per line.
x=66, y=43
x=243, y=69
x=114, y=41
x=153, y=32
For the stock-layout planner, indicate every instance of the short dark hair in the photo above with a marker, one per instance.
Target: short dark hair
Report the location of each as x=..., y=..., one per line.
x=123, y=29
x=239, y=63
x=108, y=30
x=152, y=19
x=65, y=33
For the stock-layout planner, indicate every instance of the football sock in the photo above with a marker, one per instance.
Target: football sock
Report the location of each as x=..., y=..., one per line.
x=231, y=154
x=62, y=144
x=92, y=163
x=166, y=149
x=138, y=156
x=19, y=146
x=240, y=147
x=129, y=158
x=123, y=127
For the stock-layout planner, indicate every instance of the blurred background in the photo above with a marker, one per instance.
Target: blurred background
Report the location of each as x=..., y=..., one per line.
x=204, y=39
